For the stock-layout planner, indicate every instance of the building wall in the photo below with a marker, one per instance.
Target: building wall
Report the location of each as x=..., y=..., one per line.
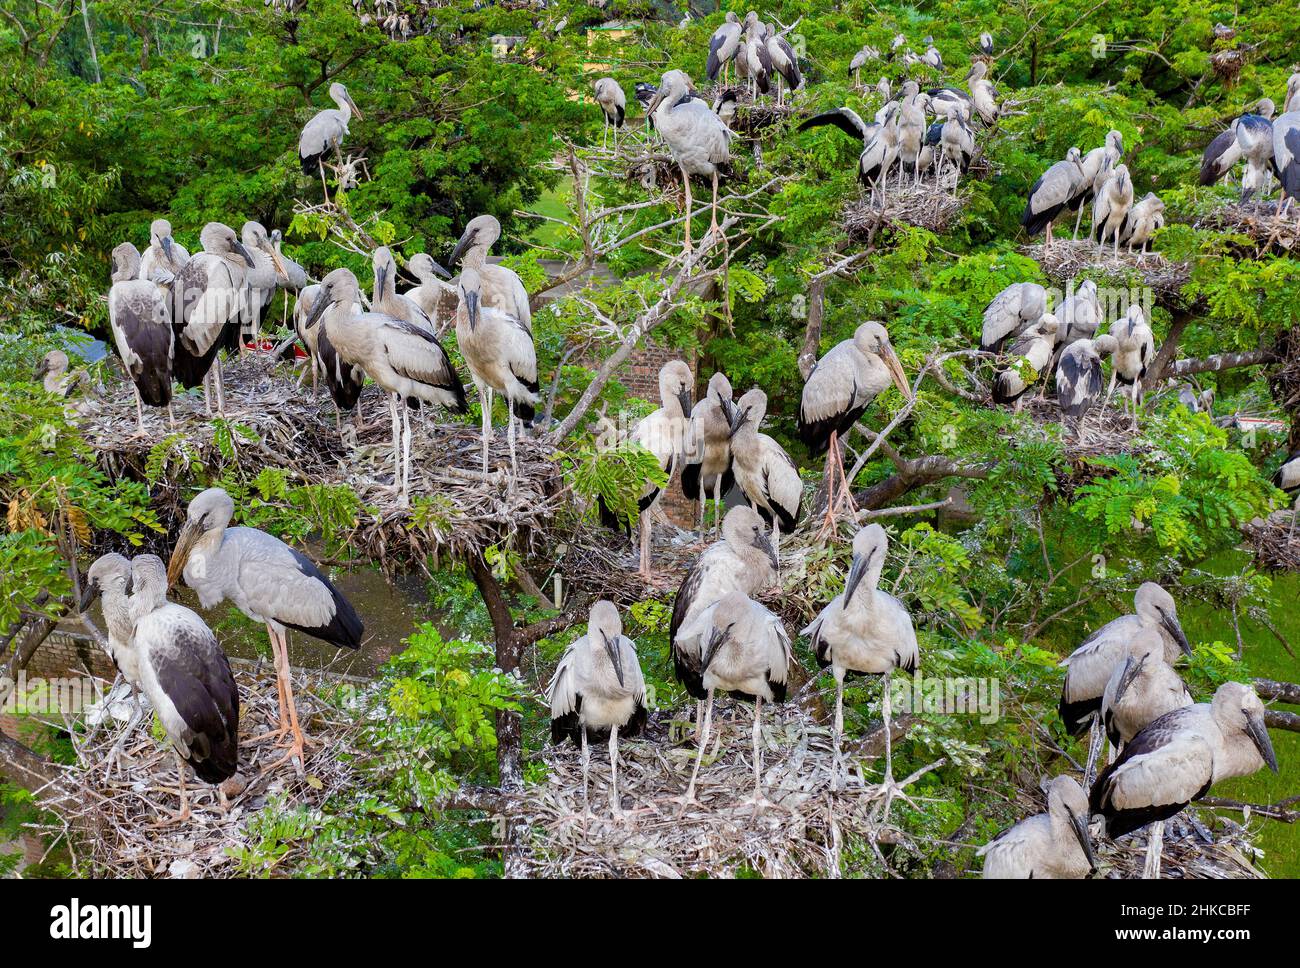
x=640, y=374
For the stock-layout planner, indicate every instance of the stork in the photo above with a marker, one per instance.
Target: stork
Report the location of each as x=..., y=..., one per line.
x=344, y=380
x=613, y=106
x=1079, y=318
x=294, y=276
x=1111, y=207
x=206, y=297
x=500, y=286
x=1134, y=350
x=1097, y=165
x=1009, y=313
x=598, y=689
x=261, y=280
x=985, y=43
x=722, y=47
x=785, y=63
x=436, y=297
x=1047, y=846
x=1255, y=139
x=1287, y=477
x=958, y=142
x=911, y=128
x=696, y=136
x=933, y=59
x=109, y=580
x=1088, y=668
x=386, y=299
x=949, y=102
x=142, y=331
x=1286, y=152
x=763, y=469
x=1145, y=219
x=1226, y=149
x=756, y=57
x=406, y=361
x=983, y=95
x=1033, y=348
x=746, y=651
x=865, y=630
x=163, y=252
x=860, y=60
x=1079, y=378
x=269, y=582
x=1177, y=759
x=745, y=561
x=707, y=469
x=1141, y=689
x=1051, y=194
x=325, y=132
x=880, y=142
x=52, y=373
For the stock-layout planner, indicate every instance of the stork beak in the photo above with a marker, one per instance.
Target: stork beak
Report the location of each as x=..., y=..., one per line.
x=717, y=637
x=895, y=369
x=655, y=102
x=1258, y=734
x=684, y=396
x=381, y=274
x=462, y=245
x=728, y=409
x=471, y=306
x=1132, y=669
x=437, y=268
x=353, y=105
x=167, y=247
x=612, y=650
x=276, y=261
x=317, y=311
x=1080, y=827
x=243, y=250
x=1170, y=622
x=185, y=543
x=89, y=592
x=738, y=419
x=857, y=570
x=42, y=368
x=764, y=543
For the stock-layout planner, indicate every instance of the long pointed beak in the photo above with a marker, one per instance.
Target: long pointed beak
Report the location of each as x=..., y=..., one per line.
x=857, y=571
x=185, y=542
x=612, y=649
x=1132, y=669
x=1258, y=734
x=684, y=396
x=437, y=267
x=764, y=543
x=1080, y=827
x=1171, y=624
x=317, y=311
x=471, y=306
x=655, y=102
x=89, y=592
x=276, y=261
x=42, y=368
x=355, y=110
x=896, y=373
x=738, y=419
x=462, y=244
x=728, y=409
x=381, y=277
x=243, y=250
x=167, y=247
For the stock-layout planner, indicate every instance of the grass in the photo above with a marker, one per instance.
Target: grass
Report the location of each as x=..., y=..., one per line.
x=554, y=203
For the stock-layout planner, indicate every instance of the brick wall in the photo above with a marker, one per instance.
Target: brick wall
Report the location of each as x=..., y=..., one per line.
x=66, y=653
x=640, y=374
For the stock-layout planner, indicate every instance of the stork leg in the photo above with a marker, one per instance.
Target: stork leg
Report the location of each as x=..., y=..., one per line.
x=406, y=453
x=510, y=438
x=717, y=506
x=615, y=805
x=1078, y=220
x=713, y=224
x=1095, y=738
x=888, y=788
x=296, y=751
x=1048, y=244
x=397, y=441
x=139, y=409
x=699, y=752
x=1155, y=846
x=644, y=526
x=586, y=772
x=837, y=764
x=758, y=800
x=686, y=181
x=1136, y=387
x=184, y=813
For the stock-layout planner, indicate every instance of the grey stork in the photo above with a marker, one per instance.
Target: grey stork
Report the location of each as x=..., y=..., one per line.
x=325, y=132
x=1225, y=150
x=268, y=581
x=386, y=299
x=1097, y=165
x=707, y=466
x=1135, y=349
x=785, y=63
x=141, y=325
x=52, y=373
x=985, y=43
x=1145, y=219
x=746, y=650
x=1111, y=207
x=1051, y=194
x=1032, y=348
x=1047, y=846
x=764, y=471
x=722, y=47
x=860, y=60
x=1255, y=139
x=1177, y=758
x=163, y=252
x=1287, y=477
x=1079, y=378
x=438, y=298
x=613, y=107
x=757, y=60
x=880, y=142
x=983, y=95
x=261, y=280
x=1286, y=153
x=1141, y=689
x=1009, y=313
x=598, y=689
x=500, y=286
x=865, y=630
x=1079, y=318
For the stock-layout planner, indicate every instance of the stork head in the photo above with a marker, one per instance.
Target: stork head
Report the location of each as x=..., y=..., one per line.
x=1074, y=157
x=424, y=268
x=872, y=339
x=1135, y=317
x=340, y=96
x=160, y=233
x=1265, y=108
x=339, y=286
x=126, y=262
x=720, y=390
x=977, y=71
x=385, y=272
x=1146, y=649
x=730, y=610
x=675, y=383
x=1121, y=177
x=148, y=584
x=1049, y=325
x=209, y=512
x=479, y=235
x=909, y=89
x=54, y=363
x=254, y=236
x=1156, y=608
x=471, y=294
x=1115, y=141
x=1237, y=709
x=220, y=240
x=750, y=411
x=743, y=530
x=870, y=545
x=732, y=18
x=605, y=629
x=109, y=575
x=1105, y=345
x=674, y=85
x=1067, y=804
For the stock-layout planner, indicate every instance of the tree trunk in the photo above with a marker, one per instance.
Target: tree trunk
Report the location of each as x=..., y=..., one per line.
x=1168, y=349
x=90, y=39
x=812, y=331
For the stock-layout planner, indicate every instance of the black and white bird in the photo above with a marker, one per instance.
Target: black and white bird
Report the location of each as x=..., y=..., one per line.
x=325, y=132
x=260, y=282
x=1111, y=207
x=385, y=298
x=949, y=102
x=1145, y=219
x=1225, y=150
x=746, y=651
x=707, y=467
x=983, y=95
x=784, y=60
x=865, y=630
x=1287, y=477
x=598, y=692
x=1079, y=379
x=911, y=130
x=723, y=46
x=1141, y=689
x=766, y=474
x=1032, y=349
x=1286, y=153
x=269, y=582
x=500, y=286
x=1255, y=139
x=1079, y=318
x=52, y=373
x=985, y=43
x=1097, y=165
x=933, y=59
x=758, y=63
x=1177, y=759
x=140, y=321
x=880, y=143
x=1051, y=194
x=613, y=107
x=1134, y=350
x=1011, y=312
x=1054, y=845
x=164, y=252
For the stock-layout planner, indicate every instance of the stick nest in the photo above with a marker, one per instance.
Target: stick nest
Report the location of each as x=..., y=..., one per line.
x=927, y=205
x=1260, y=222
x=1275, y=541
x=1069, y=259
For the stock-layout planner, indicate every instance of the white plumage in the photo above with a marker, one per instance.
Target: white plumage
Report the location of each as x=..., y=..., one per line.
x=1141, y=689
x=325, y=131
x=697, y=138
x=436, y=296
x=1111, y=208
x=707, y=467
x=984, y=96
x=763, y=469
x=1145, y=218
x=843, y=383
x=163, y=252
x=499, y=286
x=1047, y=846
x=1012, y=311
x=613, y=105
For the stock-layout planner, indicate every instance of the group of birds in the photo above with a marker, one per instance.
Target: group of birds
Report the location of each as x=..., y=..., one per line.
x=1166, y=751
x=1270, y=147
x=1038, y=344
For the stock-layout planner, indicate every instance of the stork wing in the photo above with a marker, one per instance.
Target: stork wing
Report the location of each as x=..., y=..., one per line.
x=846, y=119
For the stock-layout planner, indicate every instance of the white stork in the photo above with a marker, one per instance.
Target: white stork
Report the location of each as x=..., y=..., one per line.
x=1134, y=350
x=1111, y=207
x=747, y=651
x=1032, y=348
x=325, y=132
x=500, y=287
x=163, y=252
x=707, y=468
x=764, y=471
x=598, y=689
x=1051, y=194
x=269, y=582
x=1012, y=311
x=722, y=47
x=613, y=107
x=1079, y=378
x=1047, y=846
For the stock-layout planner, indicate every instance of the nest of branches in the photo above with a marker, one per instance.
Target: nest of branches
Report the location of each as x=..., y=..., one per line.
x=119, y=799
x=1260, y=221
x=1101, y=433
x=801, y=832
x=926, y=205
x=1068, y=259
x=1284, y=380
x=1275, y=541
x=454, y=506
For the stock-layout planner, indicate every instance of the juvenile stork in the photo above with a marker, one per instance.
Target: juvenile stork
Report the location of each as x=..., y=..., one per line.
x=1286, y=153
x=500, y=286
x=785, y=63
x=1096, y=165
x=109, y=580
x=983, y=95
x=325, y=132
x=498, y=349
x=757, y=59
x=343, y=380
x=1047, y=846
x=206, y=298
x=1012, y=311
x=598, y=690
x=1033, y=348
x=1255, y=139
x=763, y=469
x=1051, y=194
x=186, y=678
x=722, y=47
x=1145, y=219
x=1134, y=350
x=697, y=138
x=52, y=373
x=1079, y=378
x=613, y=106
x=163, y=252
x=746, y=651
x=438, y=298
x=1079, y=318
x=865, y=630
x=911, y=129
x=1089, y=667
x=744, y=561
x=880, y=142
x=664, y=434
x=860, y=60
x=261, y=280
x=386, y=299
x=294, y=276
x=707, y=469
x=142, y=331
x=1141, y=689
x=1178, y=758
x=406, y=361
x=1111, y=208
x=269, y=582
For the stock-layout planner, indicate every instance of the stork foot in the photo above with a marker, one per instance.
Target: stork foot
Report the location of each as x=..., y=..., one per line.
x=171, y=819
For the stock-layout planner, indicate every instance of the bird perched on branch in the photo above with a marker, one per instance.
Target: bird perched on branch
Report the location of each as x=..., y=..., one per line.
x=1111, y=208
x=723, y=46
x=1051, y=195
x=1009, y=313
x=613, y=107
x=141, y=324
x=1054, y=845
x=325, y=132
x=1032, y=348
